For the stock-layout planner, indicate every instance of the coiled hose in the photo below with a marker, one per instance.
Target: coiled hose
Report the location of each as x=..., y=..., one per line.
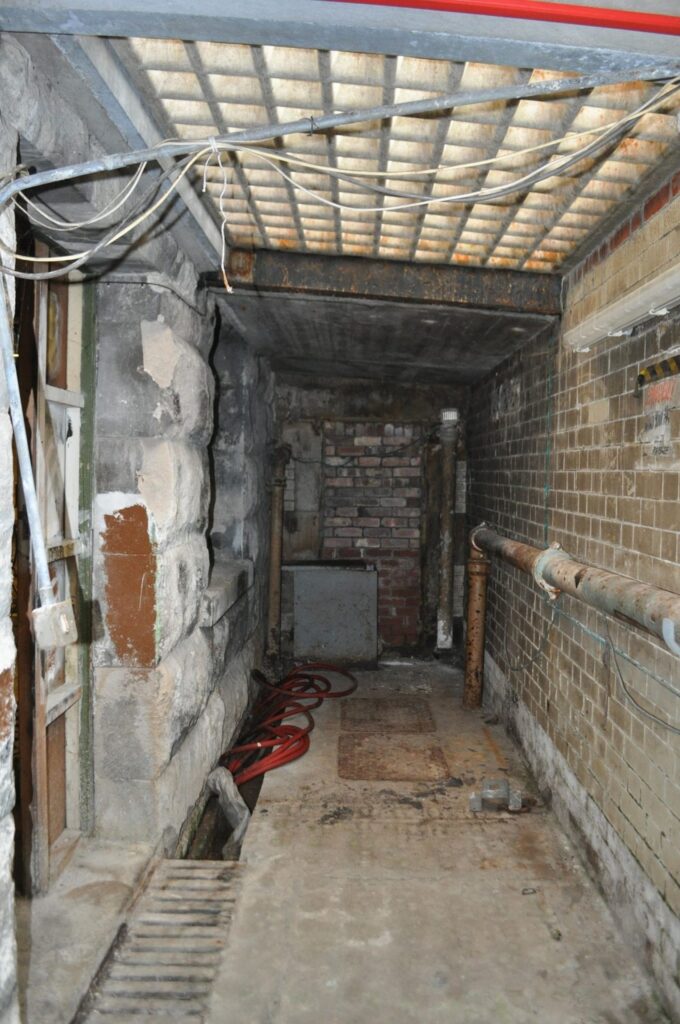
x=272, y=741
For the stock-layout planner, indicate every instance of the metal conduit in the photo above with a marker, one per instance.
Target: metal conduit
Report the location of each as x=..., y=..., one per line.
x=53, y=622
x=650, y=608
x=324, y=122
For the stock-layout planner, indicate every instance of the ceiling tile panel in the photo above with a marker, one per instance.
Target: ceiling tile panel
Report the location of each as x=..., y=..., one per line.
x=197, y=90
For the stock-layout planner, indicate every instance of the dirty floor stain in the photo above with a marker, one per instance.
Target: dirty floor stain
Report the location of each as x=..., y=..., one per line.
x=382, y=899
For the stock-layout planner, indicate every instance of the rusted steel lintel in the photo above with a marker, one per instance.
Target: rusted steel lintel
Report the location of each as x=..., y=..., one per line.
x=359, y=277
x=655, y=610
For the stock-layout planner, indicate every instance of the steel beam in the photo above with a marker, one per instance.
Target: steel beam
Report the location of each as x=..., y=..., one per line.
x=340, y=26
x=96, y=64
x=359, y=278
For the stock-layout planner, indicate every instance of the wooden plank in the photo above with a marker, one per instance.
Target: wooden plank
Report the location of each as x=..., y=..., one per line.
x=161, y=988
x=120, y=1005
x=56, y=775
x=58, y=550
x=60, y=700
x=56, y=352
x=62, y=396
x=173, y=941
x=161, y=972
x=142, y=957
x=83, y=600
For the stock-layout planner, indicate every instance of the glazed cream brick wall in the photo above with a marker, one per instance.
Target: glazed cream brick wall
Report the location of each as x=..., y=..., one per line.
x=558, y=451
x=646, y=245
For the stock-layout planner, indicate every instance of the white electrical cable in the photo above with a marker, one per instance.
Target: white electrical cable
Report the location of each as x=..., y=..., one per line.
x=81, y=256
x=57, y=224
x=273, y=158
x=468, y=165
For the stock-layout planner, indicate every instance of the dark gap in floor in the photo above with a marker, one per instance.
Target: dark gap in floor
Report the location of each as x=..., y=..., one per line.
x=213, y=829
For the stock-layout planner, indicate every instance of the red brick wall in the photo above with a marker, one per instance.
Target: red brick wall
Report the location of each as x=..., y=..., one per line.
x=372, y=499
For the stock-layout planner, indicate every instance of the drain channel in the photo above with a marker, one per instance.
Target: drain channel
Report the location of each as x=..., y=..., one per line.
x=164, y=967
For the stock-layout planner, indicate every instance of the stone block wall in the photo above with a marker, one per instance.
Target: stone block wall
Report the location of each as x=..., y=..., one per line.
x=372, y=507
x=241, y=456
x=562, y=449
x=171, y=687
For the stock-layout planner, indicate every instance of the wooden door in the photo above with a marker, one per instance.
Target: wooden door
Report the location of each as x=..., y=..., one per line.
x=50, y=683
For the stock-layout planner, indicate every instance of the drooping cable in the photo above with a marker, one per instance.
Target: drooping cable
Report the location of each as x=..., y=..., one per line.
x=626, y=689
x=605, y=135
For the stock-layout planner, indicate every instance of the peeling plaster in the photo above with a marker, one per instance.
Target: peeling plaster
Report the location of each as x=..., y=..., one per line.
x=160, y=351
x=130, y=586
x=129, y=567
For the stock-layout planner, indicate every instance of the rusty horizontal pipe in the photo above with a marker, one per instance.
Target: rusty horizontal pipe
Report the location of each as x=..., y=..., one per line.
x=650, y=608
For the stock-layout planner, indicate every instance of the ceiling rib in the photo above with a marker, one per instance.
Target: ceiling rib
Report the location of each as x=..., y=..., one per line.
x=327, y=99
x=216, y=114
x=572, y=193
x=573, y=107
x=389, y=83
x=455, y=73
x=270, y=107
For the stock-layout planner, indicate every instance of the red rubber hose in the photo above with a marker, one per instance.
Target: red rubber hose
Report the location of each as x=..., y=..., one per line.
x=540, y=10
x=271, y=741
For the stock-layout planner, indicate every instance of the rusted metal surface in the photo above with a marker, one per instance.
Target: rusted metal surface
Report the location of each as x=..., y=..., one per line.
x=478, y=571
x=282, y=458
x=241, y=265
x=370, y=715
x=522, y=556
x=391, y=757
x=357, y=277
x=654, y=610
x=650, y=608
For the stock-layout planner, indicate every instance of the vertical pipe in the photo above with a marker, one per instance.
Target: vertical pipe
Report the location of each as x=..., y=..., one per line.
x=281, y=459
x=449, y=440
x=42, y=571
x=478, y=572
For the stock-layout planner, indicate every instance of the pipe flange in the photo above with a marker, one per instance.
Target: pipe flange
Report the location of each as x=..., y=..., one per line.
x=549, y=555
x=475, y=530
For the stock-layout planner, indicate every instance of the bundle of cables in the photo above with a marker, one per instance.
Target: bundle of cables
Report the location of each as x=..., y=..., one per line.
x=272, y=740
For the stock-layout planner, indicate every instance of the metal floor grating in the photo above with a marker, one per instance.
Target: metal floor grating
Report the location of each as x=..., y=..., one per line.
x=163, y=967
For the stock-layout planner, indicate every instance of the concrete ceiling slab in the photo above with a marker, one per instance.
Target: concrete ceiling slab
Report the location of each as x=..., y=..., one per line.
x=408, y=342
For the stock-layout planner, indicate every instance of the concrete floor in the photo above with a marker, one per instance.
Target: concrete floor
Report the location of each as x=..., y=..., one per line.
x=63, y=937
x=387, y=901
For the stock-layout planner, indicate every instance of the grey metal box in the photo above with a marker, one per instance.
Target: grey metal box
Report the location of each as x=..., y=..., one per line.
x=335, y=612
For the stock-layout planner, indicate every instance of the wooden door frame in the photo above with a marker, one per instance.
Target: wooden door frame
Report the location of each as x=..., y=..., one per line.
x=37, y=858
